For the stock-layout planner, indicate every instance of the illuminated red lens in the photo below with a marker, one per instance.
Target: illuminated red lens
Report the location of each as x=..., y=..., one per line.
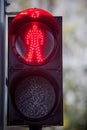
x=35, y=43
x=33, y=35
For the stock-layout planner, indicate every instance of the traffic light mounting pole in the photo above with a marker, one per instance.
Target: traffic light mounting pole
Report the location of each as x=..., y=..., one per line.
x=35, y=128
x=2, y=62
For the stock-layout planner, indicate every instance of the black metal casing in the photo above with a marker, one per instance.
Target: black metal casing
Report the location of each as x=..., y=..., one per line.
x=52, y=71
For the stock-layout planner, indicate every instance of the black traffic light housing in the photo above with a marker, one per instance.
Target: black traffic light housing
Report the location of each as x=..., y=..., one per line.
x=35, y=95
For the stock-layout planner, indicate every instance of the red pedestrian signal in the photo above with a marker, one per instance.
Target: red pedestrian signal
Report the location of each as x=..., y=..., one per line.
x=35, y=69
x=34, y=40
x=33, y=36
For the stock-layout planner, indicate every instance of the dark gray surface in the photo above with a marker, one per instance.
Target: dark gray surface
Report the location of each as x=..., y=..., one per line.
x=2, y=63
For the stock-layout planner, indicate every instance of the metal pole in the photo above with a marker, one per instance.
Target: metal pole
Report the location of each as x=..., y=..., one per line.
x=35, y=128
x=2, y=63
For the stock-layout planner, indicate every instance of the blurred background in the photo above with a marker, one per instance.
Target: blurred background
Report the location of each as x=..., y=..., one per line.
x=74, y=14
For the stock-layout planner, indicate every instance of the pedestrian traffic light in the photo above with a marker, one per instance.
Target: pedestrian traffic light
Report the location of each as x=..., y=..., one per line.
x=35, y=69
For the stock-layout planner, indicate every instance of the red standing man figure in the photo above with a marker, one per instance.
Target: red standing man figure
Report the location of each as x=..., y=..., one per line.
x=34, y=40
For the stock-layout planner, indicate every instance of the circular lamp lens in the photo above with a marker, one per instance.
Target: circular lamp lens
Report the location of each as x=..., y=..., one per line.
x=35, y=97
x=34, y=43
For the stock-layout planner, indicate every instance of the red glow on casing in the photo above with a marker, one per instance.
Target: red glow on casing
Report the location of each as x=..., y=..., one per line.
x=35, y=14
x=34, y=41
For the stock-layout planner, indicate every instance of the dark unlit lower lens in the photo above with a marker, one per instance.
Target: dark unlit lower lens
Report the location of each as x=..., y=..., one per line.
x=35, y=97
